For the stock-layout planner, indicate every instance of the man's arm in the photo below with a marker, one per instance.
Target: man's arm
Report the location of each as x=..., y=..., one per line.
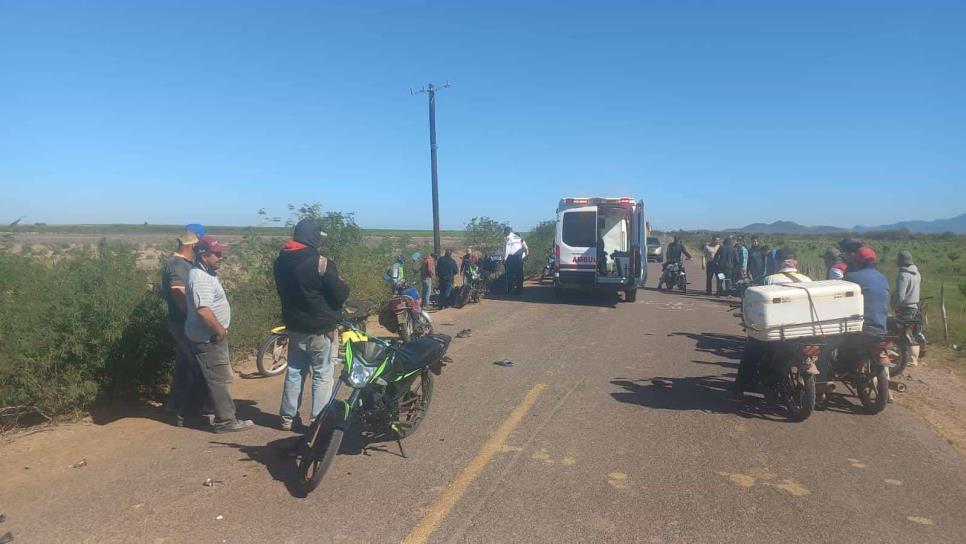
x=179, y=295
x=337, y=291
x=208, y=318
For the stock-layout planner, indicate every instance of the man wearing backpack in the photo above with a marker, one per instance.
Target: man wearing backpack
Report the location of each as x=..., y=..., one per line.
x=312, y=295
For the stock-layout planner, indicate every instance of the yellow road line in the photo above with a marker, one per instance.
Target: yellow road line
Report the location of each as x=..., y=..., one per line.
x=451, y=495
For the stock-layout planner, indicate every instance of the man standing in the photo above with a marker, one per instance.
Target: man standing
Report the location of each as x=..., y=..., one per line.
x=174, y=285
x=426, y=272
x=446, y=270
x=312, y=295
x=206, y=327
x=724, y=263
x=905, y=299
x=708, y=252
x=515, y=250
x=742, y=264
x=756, y=260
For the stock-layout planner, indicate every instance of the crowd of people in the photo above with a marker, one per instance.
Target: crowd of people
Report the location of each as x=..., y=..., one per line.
x=312, y=294
x=443, y=271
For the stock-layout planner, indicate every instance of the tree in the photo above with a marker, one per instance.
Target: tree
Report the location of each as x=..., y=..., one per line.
x=484, y=234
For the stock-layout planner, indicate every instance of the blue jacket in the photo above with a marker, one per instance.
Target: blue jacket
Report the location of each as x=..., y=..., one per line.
x=875, y=293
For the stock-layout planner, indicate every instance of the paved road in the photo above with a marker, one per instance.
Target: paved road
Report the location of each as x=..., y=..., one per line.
x=573, y=443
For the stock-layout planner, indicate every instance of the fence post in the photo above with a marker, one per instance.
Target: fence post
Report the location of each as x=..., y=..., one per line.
x=942, y=310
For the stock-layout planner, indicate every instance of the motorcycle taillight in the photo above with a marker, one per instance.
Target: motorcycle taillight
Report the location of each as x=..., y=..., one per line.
x=886, y=344
x=811, y=351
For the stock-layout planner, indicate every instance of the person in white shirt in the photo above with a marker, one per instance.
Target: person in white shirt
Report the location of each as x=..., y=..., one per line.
x=787, y=269
x=514, y=252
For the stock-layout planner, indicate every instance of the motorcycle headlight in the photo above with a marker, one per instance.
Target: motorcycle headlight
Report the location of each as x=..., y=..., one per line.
x=361, y=373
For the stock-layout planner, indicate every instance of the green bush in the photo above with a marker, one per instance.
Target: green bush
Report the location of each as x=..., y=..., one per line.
x=85, y=325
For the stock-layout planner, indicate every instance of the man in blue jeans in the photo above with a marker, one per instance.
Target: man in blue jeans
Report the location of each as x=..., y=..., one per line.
x=312, y=295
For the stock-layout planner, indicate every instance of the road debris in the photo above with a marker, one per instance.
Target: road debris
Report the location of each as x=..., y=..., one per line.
x=79, y=464
x=464, y=333
x=219, y=517
x=504, y=363
x=211, y=483
x=662, y=382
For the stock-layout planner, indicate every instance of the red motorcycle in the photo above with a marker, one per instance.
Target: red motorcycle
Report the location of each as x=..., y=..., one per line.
x=404, y=314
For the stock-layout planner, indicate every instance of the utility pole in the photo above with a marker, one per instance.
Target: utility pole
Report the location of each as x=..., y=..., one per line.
x=431, y=89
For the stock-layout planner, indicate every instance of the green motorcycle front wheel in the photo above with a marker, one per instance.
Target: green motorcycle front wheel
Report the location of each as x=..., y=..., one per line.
x=324, y=441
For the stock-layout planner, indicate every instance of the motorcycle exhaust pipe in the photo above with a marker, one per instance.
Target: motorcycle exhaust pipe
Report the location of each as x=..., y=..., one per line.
x=897, y=386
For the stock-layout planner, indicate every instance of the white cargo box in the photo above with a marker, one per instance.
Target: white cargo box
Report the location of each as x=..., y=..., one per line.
x=797, y=310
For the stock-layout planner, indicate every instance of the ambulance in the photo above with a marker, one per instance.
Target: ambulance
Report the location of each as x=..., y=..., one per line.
x=601, y=245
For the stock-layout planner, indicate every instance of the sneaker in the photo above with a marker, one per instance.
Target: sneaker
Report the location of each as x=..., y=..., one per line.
x=236, y=426
x=286, y=425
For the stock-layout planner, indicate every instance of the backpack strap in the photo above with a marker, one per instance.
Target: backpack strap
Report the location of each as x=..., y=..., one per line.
x=793, y=277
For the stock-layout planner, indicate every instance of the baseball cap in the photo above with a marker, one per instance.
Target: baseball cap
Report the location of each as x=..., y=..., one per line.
x=208, y=244
x=865, y=255
x=188, y=238
x=197, y=229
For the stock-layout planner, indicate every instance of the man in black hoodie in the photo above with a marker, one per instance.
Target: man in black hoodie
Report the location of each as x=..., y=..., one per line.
x=724, y=262
x=312, y=294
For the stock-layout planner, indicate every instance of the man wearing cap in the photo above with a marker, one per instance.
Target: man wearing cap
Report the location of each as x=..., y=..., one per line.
x=787, y=269
x=174, y=283
x=206, y=327
x=312, y=295
x=875, y=289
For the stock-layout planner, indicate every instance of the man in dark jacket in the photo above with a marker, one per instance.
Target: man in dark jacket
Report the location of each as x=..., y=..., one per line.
x=674, y=251
x=756, y=260
x=446, y=270
x=724, y=262
x=312, y=294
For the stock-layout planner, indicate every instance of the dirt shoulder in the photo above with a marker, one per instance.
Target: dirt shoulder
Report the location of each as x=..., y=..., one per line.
x=937, y=394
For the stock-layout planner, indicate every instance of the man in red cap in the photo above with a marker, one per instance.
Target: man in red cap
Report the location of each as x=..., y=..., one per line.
x=206, y=327
x=875, y=289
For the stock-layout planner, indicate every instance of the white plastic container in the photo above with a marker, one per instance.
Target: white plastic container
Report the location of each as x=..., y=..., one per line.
x=798, y=310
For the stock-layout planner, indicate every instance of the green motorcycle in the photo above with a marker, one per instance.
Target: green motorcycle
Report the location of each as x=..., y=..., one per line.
x=392, y=386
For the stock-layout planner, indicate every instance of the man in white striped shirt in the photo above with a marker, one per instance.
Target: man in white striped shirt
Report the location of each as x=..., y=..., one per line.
x=209, y=316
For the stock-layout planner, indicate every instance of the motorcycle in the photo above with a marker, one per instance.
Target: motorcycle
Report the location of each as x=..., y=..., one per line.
x=908, y=334
x=272, y=356
x=674, y=276
x=546, y=275
x=392, y=387
x=862, y=362
x=404, y=315
x=473, y=288
x=786, y=371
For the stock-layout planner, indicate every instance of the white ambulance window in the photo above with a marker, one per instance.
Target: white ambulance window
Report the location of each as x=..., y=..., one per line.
x=580, y=229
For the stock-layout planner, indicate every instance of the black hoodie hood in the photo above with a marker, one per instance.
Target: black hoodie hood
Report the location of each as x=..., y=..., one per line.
x=308, y=232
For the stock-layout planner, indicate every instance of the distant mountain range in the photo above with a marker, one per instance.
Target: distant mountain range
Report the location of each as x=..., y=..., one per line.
x=956, y=225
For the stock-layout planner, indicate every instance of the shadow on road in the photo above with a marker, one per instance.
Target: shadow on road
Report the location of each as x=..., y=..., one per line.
x=280, y=457
x=544, y=294
x=729, y=346
x=706, y=394
x=107, y=412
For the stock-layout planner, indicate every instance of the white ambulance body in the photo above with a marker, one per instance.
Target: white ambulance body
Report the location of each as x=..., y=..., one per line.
x=601, y=244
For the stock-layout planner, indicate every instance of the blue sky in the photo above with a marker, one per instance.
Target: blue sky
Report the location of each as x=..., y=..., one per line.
x=718, y=114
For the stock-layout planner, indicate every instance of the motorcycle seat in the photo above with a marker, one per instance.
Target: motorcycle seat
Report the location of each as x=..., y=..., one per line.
x=422, y=352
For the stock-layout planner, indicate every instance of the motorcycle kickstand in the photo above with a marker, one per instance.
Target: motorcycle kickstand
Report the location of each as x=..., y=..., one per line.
x=401, y=450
